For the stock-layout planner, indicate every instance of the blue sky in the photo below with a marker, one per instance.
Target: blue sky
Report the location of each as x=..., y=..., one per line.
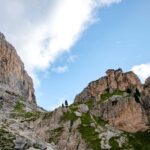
x=106, y=34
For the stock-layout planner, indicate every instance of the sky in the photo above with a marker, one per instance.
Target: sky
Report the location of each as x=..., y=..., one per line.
x=65, y=44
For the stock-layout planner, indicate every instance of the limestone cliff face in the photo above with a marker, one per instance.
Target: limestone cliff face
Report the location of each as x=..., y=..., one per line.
x=114, y=80
x=13, y=77
x=120, y=99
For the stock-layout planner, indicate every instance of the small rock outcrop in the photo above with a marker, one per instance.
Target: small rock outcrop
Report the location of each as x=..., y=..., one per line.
x=13, y=77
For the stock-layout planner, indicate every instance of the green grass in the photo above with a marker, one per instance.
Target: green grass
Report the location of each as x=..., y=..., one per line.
x=6, y=140
x=114, y=144
x=118, y=92
x=19, y=107
x=19, y=111
x=31, y=116
x=69, y=116
x=136, y=141
x=73, y=107
x=90, y=136
x=86, y=119
x=88, y=133
x=139, y=140
x=108, y=95
x=100, y=121
x=89, y=103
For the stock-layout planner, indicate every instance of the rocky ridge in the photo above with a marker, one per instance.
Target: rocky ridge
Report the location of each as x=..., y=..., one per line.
x=112, y=112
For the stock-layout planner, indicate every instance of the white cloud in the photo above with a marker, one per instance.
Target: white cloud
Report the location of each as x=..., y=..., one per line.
x=142, y=70
x=42, y=34
x=60, y=69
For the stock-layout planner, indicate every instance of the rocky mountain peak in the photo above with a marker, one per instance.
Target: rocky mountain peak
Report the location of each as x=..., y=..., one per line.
x=2, y=37
x=114, y=80
x=13, y=77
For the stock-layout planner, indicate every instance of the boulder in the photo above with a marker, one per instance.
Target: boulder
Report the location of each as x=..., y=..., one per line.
x=83, y=108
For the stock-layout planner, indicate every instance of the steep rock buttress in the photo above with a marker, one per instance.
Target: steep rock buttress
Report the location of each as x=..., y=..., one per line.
x=13, y=77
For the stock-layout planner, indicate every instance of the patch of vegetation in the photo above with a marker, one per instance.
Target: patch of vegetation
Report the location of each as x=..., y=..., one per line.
x=19, y=111
x=6, y=140
x=31, y=116
x=73, y=107
x=69, y=115
x=89, y=103
x=55, y=134
x=100, y=121
x=118, y=92
x=114, y=144
x=88, y=133
x=19, y=107
x=86, y=119
x=139, y=140
x=108, y=95
x=90, y=136
x=26, y=116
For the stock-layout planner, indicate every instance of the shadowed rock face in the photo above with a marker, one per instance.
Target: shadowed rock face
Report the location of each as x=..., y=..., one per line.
x=13, y=78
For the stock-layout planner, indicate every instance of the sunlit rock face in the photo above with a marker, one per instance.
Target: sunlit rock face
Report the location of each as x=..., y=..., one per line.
x=13, y=77
x=114, y=80
x=119, y=98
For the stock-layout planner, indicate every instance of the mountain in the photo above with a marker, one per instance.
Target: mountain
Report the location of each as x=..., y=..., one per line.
x=112, y=112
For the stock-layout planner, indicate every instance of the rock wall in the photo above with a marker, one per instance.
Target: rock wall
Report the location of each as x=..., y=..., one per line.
x=123, y=113
x=114, y=80
x=119, y=98
x=13, y=77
